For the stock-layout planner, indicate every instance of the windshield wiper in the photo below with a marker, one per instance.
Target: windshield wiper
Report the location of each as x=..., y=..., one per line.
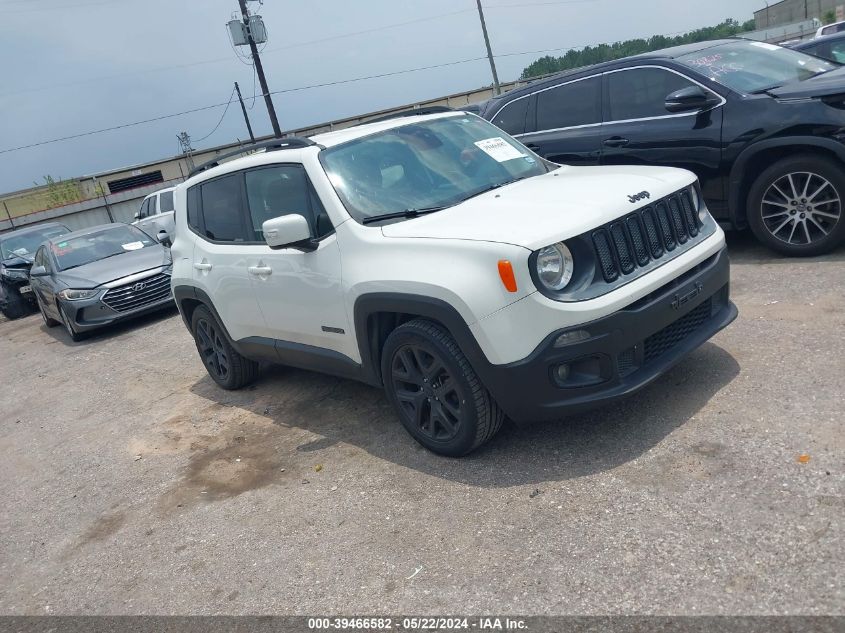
x=498, y=185
x=407, y=213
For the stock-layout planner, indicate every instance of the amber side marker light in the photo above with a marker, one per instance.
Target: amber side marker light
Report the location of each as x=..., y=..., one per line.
x=506, y=273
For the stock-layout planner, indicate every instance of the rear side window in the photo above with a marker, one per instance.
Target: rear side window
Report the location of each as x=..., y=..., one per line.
x=165, y=202
x=511, y=118
x=221, y=209
x=145, y=206
x=570, y=105
x=641, y=93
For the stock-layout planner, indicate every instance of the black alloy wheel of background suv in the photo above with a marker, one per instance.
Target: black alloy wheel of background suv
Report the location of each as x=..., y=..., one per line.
x=760, y=125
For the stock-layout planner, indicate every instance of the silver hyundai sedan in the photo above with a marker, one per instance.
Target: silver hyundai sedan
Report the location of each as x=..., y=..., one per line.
x=93, y=277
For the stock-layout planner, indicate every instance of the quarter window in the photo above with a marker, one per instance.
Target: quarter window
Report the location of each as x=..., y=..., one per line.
x=194, y=209
x=221, y=209
x=165, y=202
x=641, y=93
x=511, y=118
x=570, y=105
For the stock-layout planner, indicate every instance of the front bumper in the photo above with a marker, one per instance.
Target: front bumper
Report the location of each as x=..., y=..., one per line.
x=92, y=314
x=625, y=351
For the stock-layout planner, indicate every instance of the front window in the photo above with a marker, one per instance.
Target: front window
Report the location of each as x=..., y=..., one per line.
x=97, y=245
x=426, y=166
x=754, y=66
x=25, y=245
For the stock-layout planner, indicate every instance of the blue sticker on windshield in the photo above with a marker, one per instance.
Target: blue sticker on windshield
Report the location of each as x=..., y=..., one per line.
x=530, y=159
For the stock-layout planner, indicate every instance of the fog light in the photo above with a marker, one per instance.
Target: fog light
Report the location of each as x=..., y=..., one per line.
x=562, y=373
x=569, y=338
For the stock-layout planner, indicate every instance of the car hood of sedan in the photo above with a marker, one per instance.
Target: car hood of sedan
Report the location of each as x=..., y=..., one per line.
x=826, y=85
x=116, y=267
x=539, y=211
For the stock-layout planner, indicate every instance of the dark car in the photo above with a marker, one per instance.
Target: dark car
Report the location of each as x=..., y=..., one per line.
x=17, y=248
x=763, y=127
x=91, y=278
x=829, y=47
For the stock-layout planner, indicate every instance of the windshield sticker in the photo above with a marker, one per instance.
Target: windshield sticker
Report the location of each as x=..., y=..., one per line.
x=132, y=246
x=20, y=251
x=768, y=47
x=530, y=159
x=499, y=149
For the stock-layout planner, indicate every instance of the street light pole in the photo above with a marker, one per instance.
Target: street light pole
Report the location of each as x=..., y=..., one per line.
x=259, y=69
x=496, y=86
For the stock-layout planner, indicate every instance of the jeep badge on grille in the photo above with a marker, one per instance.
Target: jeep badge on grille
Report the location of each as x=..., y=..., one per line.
x=642, y=195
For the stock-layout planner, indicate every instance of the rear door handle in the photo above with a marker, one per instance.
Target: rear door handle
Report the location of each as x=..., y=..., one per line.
x=202, y=265
x=616, y=141
x=260, y=270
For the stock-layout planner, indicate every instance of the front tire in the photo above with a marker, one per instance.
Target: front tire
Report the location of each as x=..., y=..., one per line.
x=226, y=367
x=16, y=306
x=48, y=321
x=66, y=321
x=436, y=393
x=795, y=207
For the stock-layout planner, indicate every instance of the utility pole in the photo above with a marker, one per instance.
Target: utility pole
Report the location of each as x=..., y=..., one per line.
x=496, y=86
x=246, y=116
x=185, y=143
x=259, y=69
x=8, y=215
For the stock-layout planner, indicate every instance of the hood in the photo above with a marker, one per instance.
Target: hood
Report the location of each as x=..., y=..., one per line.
x=539, y=211
x=18, y=261
x=826, y=85
x=112, y=268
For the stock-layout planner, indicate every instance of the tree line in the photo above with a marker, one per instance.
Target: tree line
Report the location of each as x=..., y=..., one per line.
x=607, y=52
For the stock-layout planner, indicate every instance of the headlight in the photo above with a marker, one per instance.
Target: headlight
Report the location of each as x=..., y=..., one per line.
x=697, y=204
x=13, y=273
x=555, y=266
x=77, y=295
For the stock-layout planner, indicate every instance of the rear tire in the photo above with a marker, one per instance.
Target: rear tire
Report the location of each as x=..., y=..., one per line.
x=797, y=206
x=436, y=393
x=226, y=367
x=16, y=305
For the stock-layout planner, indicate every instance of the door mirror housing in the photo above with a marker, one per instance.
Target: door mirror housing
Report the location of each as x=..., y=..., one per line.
x=288, y=231
x=164, y=238
x=690, y=99
x=137, y=215
x=38, y=271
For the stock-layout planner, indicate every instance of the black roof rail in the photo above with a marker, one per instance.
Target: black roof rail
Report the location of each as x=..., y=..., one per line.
x=289, y=142
x=405, y=113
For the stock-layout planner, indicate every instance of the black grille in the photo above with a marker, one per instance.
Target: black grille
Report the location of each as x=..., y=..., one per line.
x=625, y=361
x=648, y=234
x=661, y=342
x=133, y=296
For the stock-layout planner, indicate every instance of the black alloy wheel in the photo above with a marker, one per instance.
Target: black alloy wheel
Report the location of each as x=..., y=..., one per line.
x=435, y=391
x=225, y=365
x=427, y=393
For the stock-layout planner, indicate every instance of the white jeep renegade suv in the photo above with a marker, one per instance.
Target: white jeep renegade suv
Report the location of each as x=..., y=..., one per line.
x=437, y=257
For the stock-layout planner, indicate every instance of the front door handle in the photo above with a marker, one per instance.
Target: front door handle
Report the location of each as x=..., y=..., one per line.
x=260, y=270
x=615, y=141
x=203, y=265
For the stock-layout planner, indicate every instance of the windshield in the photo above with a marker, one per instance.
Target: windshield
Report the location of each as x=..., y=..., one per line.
x=25, y=245
x=107, y=242
x=754, y=66
x=426, y=165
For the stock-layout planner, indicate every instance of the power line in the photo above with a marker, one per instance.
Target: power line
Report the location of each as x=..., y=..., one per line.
x=222, y=116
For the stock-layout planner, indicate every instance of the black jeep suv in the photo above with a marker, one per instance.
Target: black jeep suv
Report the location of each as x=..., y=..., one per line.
x=17, y=249
x=762, y=126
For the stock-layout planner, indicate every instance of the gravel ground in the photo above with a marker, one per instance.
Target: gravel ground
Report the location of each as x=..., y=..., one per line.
x=134, y=485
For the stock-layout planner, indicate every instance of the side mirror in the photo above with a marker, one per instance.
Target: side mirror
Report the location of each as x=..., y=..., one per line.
x=288, y=230
x=38, y=271
x=137, y=215
x=164, y=238
x=690, y=99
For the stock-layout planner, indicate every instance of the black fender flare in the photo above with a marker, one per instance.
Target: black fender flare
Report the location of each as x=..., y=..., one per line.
x=736, y=206
x=181, y=293
x=418, y=305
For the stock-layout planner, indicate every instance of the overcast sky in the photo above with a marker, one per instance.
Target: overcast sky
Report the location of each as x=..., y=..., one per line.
x=71, y=66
